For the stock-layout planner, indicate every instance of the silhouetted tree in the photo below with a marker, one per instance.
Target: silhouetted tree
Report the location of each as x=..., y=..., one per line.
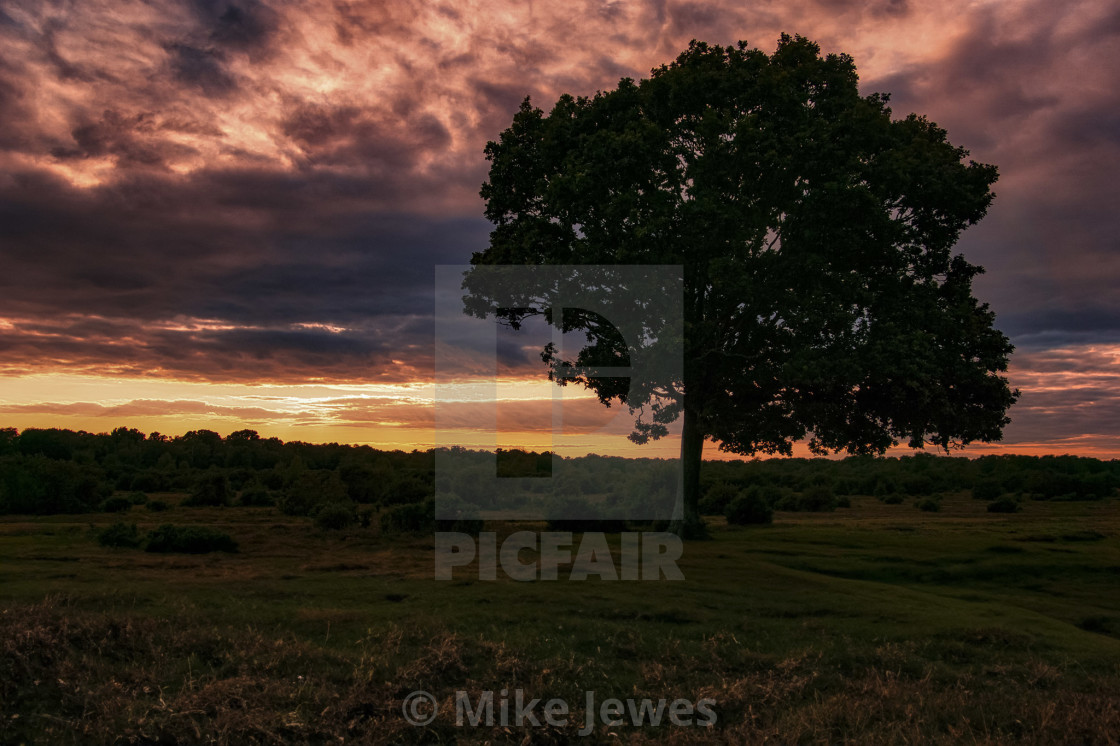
x=822, y=299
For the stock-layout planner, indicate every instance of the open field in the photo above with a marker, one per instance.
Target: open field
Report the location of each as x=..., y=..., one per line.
x=873, y=624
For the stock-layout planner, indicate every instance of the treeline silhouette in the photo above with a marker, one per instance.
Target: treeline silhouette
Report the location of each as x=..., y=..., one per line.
x=49, y=471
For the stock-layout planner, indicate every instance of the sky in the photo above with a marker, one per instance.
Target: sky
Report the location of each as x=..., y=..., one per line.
x=226, y=214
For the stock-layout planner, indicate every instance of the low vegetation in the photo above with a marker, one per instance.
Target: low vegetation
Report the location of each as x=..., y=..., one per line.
x=50, y=471
x=874, y=623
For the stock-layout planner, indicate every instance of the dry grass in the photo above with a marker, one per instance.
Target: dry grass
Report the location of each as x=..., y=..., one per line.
x=73, y=675
x=882, y=625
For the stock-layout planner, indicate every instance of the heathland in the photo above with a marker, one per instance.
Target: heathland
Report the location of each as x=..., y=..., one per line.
x=242, y=590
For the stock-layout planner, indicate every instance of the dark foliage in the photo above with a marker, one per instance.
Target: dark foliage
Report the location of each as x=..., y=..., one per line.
x=1004, y=505
x=301, y=477
x=717, y=497
x=750, y=508
x=212, y=490
x=409, y=518
x=189, y=540
x=256, y=496
x=39, y=485
x=116, y=505
x=335, y=516
x=119, y=535
x=577, y=514
x=987, y=489
x=814, y=499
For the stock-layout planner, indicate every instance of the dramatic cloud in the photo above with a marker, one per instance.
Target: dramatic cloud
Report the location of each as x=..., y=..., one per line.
x=242, y=191
x=523, y=413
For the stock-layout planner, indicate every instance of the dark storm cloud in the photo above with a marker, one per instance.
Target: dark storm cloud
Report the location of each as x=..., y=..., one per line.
x=346, y=135
x=66, y=70
x=124, y=138
x=1037, y=97
x=860, y=7
x=244, y=25
x=1070, y=394
x=203, y=69
x=196, y=352
x=1094, y=322
x=181, y=256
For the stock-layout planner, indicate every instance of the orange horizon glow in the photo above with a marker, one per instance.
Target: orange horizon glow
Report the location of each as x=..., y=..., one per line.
x=400, y=416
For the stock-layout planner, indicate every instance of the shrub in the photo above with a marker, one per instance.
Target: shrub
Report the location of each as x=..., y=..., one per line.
x=884, y=487
x=256, y=496
x=749, y=508
x=576, y=514
x=406, y=488
x=212, y=490
x=988, y=489
x=1072, y=496
x=138, y=498
x=844, y=502
x=119, y=535
x=157, y=506
x=788, y=502
x=815, y=499
x=929, y=505
x=467, y=519
x=818, y=498
x=335, y=516
x=309, y=490
x=717, y=498
x=420, y=518
x=409, y=518
x=149, y=482
x=1004, y=505
x=296, y=503
x=1055, y=485
x=770, y=494
x=116, y=504
x=892, y=499
x=189, y=540
x=272, y=479
x=918, y=484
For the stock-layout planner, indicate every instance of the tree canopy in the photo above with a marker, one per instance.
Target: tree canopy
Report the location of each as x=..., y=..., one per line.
x=823, y=300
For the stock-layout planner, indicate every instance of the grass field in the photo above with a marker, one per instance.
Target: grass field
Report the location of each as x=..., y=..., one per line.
x=872, y=624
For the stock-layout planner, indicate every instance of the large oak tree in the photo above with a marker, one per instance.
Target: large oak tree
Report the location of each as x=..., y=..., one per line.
x=822, y=297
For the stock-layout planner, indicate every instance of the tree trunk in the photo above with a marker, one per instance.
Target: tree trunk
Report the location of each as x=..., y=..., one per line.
x=686, y=514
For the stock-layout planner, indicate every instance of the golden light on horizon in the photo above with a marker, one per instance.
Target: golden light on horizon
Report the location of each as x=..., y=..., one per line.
x=400, y=415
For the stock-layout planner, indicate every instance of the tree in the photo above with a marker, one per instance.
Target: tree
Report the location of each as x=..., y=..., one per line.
x=822, y=298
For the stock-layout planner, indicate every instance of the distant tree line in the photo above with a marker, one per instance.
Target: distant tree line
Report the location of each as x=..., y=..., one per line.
x=48, y=471
x=822, y=484
x=44, y=471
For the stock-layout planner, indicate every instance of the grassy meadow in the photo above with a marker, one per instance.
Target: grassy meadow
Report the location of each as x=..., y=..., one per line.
x=872, y=624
